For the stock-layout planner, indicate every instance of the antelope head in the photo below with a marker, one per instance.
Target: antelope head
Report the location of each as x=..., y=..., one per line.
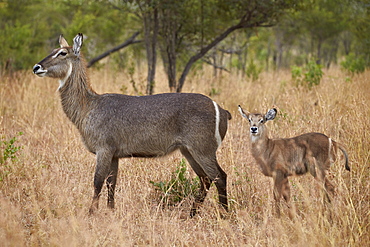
x=59, y=63
x=257, y=121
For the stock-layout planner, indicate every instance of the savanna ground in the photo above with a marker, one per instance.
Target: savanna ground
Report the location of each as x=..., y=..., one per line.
x=45, y=192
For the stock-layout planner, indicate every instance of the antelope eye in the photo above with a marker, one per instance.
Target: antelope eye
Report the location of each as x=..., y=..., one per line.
x=261, y=121
x=63, y=53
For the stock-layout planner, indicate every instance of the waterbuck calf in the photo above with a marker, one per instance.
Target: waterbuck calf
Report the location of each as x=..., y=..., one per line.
x=281, y=158
x=115, y=126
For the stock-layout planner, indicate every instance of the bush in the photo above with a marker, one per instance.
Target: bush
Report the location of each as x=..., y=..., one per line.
x=308, y=76
x=179, y=187
x=354, y=64
x=313, y=74
x=8, y=151
x=253, y=71
x=297, y=75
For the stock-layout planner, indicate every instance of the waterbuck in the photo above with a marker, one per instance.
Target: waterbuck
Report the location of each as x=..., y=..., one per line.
x=114, y=126
x=281, y=158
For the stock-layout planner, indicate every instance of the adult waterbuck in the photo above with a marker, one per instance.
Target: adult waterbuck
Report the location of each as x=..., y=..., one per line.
x=281, y=158
x=116, y=126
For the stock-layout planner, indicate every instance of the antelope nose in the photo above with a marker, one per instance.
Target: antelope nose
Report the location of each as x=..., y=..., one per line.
x=254, y=130
x=36, y=68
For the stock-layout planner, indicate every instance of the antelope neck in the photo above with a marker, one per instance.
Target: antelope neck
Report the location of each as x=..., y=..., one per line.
x=76, y=97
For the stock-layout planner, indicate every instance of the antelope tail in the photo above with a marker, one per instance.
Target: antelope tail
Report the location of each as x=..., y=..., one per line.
x=345, y=155
x=338, y=145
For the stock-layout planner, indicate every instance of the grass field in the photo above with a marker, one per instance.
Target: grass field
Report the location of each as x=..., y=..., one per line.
x=45, y=192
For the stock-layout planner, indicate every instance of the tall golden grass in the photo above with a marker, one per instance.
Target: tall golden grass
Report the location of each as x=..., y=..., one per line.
x=45, y=195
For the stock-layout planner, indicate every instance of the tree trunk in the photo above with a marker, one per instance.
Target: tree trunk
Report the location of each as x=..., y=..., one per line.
x=280, y=49
x=319, y=44
x=171, y=68
x=168, y=33
x=347, y=42
x=201, y=53
x=151, y=36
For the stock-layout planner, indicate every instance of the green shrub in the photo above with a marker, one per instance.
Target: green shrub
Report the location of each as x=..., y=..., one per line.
x=8, y=151
x=313, y=74
x=308, y=76
x=179, y=186
x=253, y=71
x=297, y=75
x=214, y=92
x=354, y=64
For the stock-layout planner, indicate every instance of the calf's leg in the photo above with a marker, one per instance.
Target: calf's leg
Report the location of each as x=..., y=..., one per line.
x=282, y=189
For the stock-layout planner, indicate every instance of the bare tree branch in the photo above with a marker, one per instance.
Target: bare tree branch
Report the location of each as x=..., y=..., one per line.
x=203, y=51
x=247, y=21
x=128, y=42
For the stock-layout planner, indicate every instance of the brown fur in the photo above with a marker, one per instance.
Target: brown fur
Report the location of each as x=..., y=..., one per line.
x=281, y=158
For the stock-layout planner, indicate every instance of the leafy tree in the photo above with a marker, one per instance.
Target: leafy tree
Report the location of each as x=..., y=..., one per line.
x=323, y=22
x=359, y=19
x=188, y=30
x=16, y=35
x=187, y=33
x=322, y=30
x=28, y=28
x=225, y=16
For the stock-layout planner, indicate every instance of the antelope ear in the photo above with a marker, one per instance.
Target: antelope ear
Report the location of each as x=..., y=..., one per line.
x=245, y=115
x=62, y=41
x=77, y=43
x=271, y=114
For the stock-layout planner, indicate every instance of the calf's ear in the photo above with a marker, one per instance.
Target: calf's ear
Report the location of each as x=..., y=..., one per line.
x=245, y=115
x=271, y=114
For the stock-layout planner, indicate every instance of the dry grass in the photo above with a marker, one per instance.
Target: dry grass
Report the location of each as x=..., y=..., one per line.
x=44, y=199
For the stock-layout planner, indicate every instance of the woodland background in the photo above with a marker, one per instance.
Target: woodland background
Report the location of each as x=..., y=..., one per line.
x=307, y=58
x=245, y=37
